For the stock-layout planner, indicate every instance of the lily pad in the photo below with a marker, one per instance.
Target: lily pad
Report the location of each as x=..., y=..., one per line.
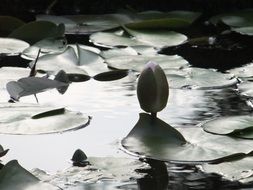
x=153, y=138
x=246, y=89
x=8, y=24
x=67, y=61
x=138, y=62
x=237, y=170
x=244, y=30
x=13, y=176
x=46, y=46
x=20, y=118
x=238, y=126
x=158, y=39
x=165, y=20
x=11, y=46
x=245, y=71
x=197, y=78
x=35, y=31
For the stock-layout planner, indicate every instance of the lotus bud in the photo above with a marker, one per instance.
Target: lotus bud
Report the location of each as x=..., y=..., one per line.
x=152, y=88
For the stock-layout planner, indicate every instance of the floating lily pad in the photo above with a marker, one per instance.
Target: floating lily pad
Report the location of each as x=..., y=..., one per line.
x=138, y=62
x=67, y=61
x=11, y=46
x=167, y=20
x=244, y=30
x=159, y=39
x=20, y=118
x=111, y=75
x=86, y=24
x=238, y=126
x=237, y=170
x=116, y=52
x=153, y=138
x=197, y=78
x=13, y=176
x=8, y=24
x=37, y=30
x=46, y=46
x=245, y=71
x=246, y=89
x=109, y=39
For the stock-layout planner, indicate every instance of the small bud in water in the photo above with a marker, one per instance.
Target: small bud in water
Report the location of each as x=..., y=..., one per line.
x=152, y=88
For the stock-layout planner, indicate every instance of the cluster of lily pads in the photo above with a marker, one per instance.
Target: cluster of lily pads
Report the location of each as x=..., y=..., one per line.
x=123, y=44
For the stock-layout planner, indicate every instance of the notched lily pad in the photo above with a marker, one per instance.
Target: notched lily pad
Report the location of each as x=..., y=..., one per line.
x=198, y=78
x=13, y=176
x=153, y=138
x=237, y=126
x=129, y=37
x=20, y=118
x=37, y=30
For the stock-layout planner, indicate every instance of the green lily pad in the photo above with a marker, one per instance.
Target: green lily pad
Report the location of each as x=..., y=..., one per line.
x=37, y=30
x=239, y=18
x=237, y=170
x=197, y=78
x=138, y=62
x=20, y=118
x=13, y=176
x=110, y=39
x=11, y=46
x=86, y=24
x=67, y=61
x=116, y=52
x=246, y=89
x=32, y=85
x=238, y=126
x=159, y=39
x=8, y=24
x=165, y=20
x=244, y=30
x=153, y=138
x=46, y=46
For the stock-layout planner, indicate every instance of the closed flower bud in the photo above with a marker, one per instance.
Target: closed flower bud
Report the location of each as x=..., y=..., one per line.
x=153, y=88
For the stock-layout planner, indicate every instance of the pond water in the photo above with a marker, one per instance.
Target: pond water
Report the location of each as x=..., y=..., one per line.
x=114, y=109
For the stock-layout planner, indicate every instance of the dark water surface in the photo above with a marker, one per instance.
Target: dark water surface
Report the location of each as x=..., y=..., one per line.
x=114, y=109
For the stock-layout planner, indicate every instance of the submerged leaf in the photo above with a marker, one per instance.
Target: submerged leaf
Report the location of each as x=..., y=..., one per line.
x=237, y=126
x=20, y=118
x=153, y=138
x=13, y=176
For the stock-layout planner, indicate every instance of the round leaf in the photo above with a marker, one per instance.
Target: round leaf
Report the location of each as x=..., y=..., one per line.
x=238, y=126
x=138, y=62
x=11, y=46
x=153, y=138
x=21, y=118
x=36, y=31
x=197, y=78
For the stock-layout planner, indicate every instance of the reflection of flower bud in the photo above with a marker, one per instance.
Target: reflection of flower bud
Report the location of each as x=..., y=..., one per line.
x=153, y=88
